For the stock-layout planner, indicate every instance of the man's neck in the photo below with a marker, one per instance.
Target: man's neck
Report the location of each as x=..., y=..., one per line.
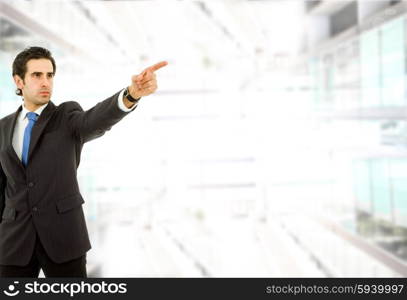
x=31, y=106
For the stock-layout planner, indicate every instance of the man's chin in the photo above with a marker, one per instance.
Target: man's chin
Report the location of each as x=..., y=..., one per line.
x=43, y=100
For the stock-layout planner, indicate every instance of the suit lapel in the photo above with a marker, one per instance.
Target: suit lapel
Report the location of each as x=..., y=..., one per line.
x=11, y=124
x=40, y=126
x=35, y=134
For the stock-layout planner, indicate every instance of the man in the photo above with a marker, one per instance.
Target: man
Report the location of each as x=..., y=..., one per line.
x=42, y=221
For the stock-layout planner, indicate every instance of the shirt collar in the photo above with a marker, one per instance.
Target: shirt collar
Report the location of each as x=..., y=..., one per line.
x=38, y=111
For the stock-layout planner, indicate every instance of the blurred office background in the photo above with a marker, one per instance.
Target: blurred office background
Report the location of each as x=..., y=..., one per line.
x=276, y=144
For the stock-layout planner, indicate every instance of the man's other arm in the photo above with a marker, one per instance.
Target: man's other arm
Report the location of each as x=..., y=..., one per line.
x=3, y=183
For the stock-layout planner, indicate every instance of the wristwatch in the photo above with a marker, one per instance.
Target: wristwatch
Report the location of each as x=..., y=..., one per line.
x=129, y=97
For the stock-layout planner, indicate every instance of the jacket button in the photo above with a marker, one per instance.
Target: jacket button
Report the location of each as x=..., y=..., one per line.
x=35, y=208
x=31, y=184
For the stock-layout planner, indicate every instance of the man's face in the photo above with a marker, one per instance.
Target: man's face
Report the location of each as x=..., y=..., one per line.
x=38, y=81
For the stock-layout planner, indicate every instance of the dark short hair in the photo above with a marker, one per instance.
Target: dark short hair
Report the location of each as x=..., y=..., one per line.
x=20, y=62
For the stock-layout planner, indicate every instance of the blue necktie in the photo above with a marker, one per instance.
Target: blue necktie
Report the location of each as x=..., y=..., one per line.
x=32, y=117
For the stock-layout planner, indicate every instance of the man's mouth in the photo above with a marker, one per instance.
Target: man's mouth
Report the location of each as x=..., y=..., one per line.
x=44, y=93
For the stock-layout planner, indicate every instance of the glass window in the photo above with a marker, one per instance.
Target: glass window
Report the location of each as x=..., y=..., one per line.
x=392, y=54
x=381, y=189
x=398, y=169
x=362, y=185
x=370, y=69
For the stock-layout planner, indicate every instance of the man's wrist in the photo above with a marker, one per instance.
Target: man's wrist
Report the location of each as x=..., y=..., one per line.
x=127, y=94
x=127, y=103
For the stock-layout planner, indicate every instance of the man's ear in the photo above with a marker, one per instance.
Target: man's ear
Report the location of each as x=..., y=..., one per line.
x=19, y=82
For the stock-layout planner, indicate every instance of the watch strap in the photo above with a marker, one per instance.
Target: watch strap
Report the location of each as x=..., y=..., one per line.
x=129, y=97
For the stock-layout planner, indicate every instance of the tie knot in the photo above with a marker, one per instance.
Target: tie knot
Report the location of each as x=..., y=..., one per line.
x=32, y=116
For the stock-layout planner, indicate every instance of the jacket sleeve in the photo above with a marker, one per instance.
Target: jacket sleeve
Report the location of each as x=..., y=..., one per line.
x=2, y=191
x=93, y=123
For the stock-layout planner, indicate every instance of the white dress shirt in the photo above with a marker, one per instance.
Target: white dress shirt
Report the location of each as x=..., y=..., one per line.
x=22, y=122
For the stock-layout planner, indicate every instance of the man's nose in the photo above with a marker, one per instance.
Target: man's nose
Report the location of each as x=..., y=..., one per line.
x=45, y=82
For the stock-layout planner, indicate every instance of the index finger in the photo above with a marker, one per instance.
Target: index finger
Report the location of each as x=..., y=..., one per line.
x=157, y=66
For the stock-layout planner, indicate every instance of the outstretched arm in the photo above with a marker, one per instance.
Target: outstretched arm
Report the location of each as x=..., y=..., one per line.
x=93, y=123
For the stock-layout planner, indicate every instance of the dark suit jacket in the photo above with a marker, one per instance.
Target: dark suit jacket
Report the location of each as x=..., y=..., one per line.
x=44, y=198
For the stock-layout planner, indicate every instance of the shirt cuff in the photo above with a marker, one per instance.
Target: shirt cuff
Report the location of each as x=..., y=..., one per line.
x=121, y=104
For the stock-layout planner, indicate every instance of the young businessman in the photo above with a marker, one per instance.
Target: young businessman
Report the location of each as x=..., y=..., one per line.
x=42, y=222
